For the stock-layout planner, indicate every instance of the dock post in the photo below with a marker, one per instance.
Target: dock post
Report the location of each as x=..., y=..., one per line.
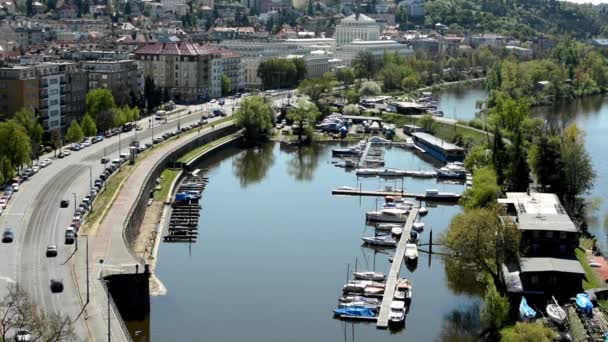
x=431, y=242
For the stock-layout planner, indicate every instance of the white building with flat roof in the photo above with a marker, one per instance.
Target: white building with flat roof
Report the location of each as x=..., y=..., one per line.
x=325, y=44
x=356, y=26
x=377, y=48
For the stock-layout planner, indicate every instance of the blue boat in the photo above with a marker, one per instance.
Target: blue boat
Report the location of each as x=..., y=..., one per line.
x=356, y=313
x=525, y=311
x=414, y=236
x=583, y=303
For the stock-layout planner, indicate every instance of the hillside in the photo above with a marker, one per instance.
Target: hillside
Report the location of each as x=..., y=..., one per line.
x=519, y=18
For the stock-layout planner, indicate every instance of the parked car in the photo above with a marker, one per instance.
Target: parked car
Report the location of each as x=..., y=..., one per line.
x=23, y=336
x=104, y=160
x=3, y=203
x=8, y=235
x=51, y=251
x=70, y=235
x=15, y=187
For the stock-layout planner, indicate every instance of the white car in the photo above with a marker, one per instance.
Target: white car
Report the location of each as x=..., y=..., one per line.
x=15, y=187
x=43, y=164
x=3, y=203
x=48, y=161
x=213, y=101
x=35, y=169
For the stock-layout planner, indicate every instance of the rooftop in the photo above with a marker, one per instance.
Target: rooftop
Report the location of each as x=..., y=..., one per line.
x=550, y=265
x=547, y=222
x=431, y=139
x=177, y=49
x=534, y=203
x=360, y=18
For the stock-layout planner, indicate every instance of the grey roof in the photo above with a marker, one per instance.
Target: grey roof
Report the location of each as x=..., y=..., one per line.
x=546, y=222
x=362, y=18
x=431, y=139
x=550, y=265
x=512, y=280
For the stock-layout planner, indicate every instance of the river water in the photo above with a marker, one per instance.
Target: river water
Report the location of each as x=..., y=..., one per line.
x=273, y=250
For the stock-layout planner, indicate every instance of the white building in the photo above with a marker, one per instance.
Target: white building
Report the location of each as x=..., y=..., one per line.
x=356, y=26
x=325, y=44
x=377, y=48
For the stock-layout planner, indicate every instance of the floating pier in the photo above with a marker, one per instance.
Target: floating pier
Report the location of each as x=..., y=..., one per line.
x=391, y=279
x=185, y=210
x=384, y=193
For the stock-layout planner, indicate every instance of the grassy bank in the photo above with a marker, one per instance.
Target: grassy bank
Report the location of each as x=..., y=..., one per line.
x=167, y=178
x=591, y=280
x=192, y=155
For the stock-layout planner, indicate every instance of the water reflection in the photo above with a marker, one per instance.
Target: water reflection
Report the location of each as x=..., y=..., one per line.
x=461, y=325
x=250, y=167
x=304, y=161
x=462, y=278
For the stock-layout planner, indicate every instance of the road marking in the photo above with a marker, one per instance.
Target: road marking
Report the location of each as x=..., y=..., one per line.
x=14, y=214
x=8, y=280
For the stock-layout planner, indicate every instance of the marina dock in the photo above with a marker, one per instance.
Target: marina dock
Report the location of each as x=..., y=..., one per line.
x=183, y=224
x=363, y=158
x=391, y=280
x=384, y=193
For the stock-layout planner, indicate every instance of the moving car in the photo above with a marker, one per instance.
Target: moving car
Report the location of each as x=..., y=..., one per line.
x=56, y=286
x=64, y=203
x=23, y=336
x=51, y=251
x=8, y=235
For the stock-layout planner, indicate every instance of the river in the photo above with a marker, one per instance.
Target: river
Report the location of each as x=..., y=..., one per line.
x=589, y=113
x=273, y=250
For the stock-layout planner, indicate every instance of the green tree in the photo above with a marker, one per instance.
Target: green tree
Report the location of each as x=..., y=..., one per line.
x=351, y=109
x=495, y=310
x=15, y=147
x=369, y=88
x=577, y=172
x=529, y=332
x=56, y=140
x=31, y=123
x=345, y=75
x=481, y=239
x=74, y=133
x=365, y=65
x=226, y=85
x=544, y=159
x=100, y=106
x=29, y=8
x=410, y=82
x=518, y=175
x=256, y=116
x=427, y=122
x=478, y=157
x=315, y=87
x=301, y=69
x=485, y=190
x=499, y=156
x=88, y=126
x=352, y=96
x=277, y=73
x=304, y=115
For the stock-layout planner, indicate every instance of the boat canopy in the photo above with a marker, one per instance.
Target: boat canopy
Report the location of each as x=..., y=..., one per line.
x=397, y=305
x=525, y=310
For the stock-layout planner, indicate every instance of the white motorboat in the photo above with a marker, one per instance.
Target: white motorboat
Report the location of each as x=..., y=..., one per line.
x=403, y=290
x=411, y=252
x=384, y=240
x=595, y=264
x=396, y=232
x=397, y=314
x=387, y=215
x=392, y=173
x=367, y=172
x=556, y=313
x=349, y=188
x=418, y=226
x=368, y=300
x=369, y=275
x=435, y=194
x=423, y=211
x=409, y=142
x=388, y=226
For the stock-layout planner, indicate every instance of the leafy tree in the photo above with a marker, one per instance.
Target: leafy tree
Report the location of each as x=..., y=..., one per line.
x=56, y=140
x=410, y=82
x=31, y=123
x=100, y=106
x=529, y=332
x=495, y=310
x=88, y=126
x=277, y=73
x=369, y=88
x=499, y=156
x=485, y=189
x=257, y=117
x=152, y=94
x=29, y=8
x=478, y=157
x=351, y=109
x=519, y=171
x=481, y=239
x=304, y=115
x=74, y=133
x=577, y=172
x=507, y=112
x=365, y=65
x=315, y=87
x=301, y=70
x=345, y=75
x=226, y=85
x=15, y=147
x=545, y=161
x=427, y=122
x=352, y=96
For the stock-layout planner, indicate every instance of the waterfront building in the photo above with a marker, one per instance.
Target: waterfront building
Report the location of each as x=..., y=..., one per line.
x=125, y=78
x=438, y=148
x=377, y=48
x=187, y=71
x=356, y=26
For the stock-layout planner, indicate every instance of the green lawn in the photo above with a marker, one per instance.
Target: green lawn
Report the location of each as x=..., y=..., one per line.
x=591, y=280
x=166, y=179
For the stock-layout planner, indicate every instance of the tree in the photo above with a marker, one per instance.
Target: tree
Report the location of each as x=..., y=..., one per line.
x=481, y=239
x=519, y=171
x=31, y=123
x=226, y=85
x=410, y=82
x=56, y=140
x=477, y=157
x=369, y=88
x=315, y=87
x=577, y=173
x=351, y=109
x=15, y=147
x=257, y=117
x=485, y=191
x=365, y=65
x=304, y=115
x=529, y=332
x=345, y=75
x=278, y=73
x=88, y=126
x=152, y=94
x=100, y=106
x=544, y=158
x=499, y=156
x=495, y=310
x=74, y=133
x=18, y=311
x=352, y=96
x=301, y=69
x=427, y=122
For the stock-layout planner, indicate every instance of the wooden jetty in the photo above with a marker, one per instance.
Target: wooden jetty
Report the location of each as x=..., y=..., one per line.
x=391, y=280
x=384, y=193
x=364, y=154
x=185, y=212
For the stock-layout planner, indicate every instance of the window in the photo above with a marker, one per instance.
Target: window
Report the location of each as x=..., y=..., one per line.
x=53, y=81
x=536, y=234
x=534, y=280
x=549, y=235
x=563, y=235
x=53, y=102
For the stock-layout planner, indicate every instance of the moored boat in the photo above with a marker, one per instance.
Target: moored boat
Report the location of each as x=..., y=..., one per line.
x=436, y=195
x=368, y=300
x=357, y=313
x=388, y=226
x=388, y=215
x=411, y=252
x=423, y=211
x=369, y=275
x=414, y=236
x=556, y=313
x=396, y=316
x=418, y=226
x=583, y=303
x=396, y=232
x=403, y=290
x=383, y=241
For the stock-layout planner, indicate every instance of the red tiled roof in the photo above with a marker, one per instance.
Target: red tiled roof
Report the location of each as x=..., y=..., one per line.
x=175, y=49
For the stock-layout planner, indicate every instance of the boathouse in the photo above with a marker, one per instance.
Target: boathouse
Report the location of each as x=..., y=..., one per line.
x=438, y=148
x=545, y=276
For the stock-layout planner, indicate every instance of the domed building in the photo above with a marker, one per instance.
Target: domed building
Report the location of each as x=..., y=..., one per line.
x=356, y=26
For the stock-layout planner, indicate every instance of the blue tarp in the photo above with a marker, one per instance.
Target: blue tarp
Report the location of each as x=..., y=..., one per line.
x=525, y=311
x=181, y=197
x=583, y=302
x=356, y=311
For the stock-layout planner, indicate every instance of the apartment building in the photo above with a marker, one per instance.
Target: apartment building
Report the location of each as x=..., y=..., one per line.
x=187, y=71
x=125, y=78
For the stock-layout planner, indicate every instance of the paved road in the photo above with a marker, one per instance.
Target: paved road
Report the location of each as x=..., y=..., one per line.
x=37, y=219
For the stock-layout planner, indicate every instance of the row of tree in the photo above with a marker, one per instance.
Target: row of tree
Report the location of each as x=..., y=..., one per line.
x=282, y=72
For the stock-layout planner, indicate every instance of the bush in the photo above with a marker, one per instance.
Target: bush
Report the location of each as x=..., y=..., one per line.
x=495, y=310
x=528, y=332
x=351, y=109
